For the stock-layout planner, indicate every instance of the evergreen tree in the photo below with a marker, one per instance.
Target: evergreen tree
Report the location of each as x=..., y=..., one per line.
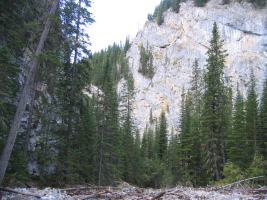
x=251, y=118
x=175, y=5
x=262, y=135
x=172, y=157
x=185, y=145
x=236, y=139
x=200, y=3
x=163, y=139
x=70, y=83
x=25, y=94
x=189, y=147
x=215, y=111
x=146, y=61
x=86, y=142
x=197, y=90
x=148, y=144
x=110, y=140
x=109, y=67
x=138, y=161
x=160, y=18
x=127, y=127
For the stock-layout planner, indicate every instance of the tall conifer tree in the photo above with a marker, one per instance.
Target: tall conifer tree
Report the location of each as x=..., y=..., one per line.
x=262, y=137
x=163, y=140
x=251, y=118
x=236, y=139
x=216, y=101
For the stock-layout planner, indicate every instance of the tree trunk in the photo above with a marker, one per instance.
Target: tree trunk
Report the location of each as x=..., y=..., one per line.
x=29, y=126
x=28, y=131
x=101, y=160
x=25, y=94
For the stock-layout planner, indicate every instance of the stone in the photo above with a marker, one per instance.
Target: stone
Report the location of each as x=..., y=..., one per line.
x=184, y=37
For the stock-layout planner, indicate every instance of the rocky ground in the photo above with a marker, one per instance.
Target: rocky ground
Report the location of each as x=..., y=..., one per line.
x=126, y=191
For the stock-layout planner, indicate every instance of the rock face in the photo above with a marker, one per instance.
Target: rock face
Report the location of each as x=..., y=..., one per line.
x=184, y=37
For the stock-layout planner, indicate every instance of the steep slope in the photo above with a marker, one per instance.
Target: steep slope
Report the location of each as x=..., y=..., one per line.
x=184, y=37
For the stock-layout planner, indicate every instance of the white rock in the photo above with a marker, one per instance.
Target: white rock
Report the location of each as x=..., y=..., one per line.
x=184, y=37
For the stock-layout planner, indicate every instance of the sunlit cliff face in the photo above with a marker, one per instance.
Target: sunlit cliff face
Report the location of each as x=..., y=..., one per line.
x=184, y=37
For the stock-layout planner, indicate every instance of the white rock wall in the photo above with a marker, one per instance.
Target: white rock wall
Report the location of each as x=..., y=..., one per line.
x=184, y=37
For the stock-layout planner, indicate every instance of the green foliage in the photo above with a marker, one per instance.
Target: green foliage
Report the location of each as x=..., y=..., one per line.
x=150, y=17
x=9, y=87
x=189, y=149
x=259, y=3
x=231, y=173
x=75, y=15
x=235, y=150
x=153, y=173
x=200, y=3
x=162, y=7
x=163, y=140
x=160, y=18
x=251, y=120
x=114, y=56
x=216, y=111
x=17, y=165
x=92, y=139
x=131, y=151
x=258, y=166
x=148, y=144
x=15, y=38
x=175, y=5
x=262, y=132
x=146, y=61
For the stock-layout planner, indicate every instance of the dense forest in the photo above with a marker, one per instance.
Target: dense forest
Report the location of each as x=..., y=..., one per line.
x=75, y=128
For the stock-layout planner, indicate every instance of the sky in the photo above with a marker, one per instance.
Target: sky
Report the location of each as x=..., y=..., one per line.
x=117, y=19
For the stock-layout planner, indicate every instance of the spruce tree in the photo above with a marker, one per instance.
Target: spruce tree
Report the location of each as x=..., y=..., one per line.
x=262, y=135
x=138, y=161
x=146, y=61
x=127, y=128
x=215, y=110
x=110, y=138
x=175, y=5
x=196, y=90
x=160, y=18
x=236, y=139
x=251, y=118
x=172, y=156
x=185, y=145
x=163, y=140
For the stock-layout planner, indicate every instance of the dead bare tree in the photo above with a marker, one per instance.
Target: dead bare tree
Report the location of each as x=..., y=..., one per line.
x=29, y=83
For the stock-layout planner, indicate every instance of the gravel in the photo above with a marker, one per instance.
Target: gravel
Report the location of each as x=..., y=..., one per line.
x=131, y=193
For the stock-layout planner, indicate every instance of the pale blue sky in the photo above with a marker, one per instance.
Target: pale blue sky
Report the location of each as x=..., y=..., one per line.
x=116, y=19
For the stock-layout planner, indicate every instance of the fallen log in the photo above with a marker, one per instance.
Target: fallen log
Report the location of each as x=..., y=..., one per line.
x=98, y=195
x=90, y=188
x=238, y=182
x=90, y=196
x=158, y=195
x=258, y=190
x=17, y=192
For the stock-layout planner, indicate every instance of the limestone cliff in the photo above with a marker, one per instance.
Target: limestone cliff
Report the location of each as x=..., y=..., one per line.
x=184, y=37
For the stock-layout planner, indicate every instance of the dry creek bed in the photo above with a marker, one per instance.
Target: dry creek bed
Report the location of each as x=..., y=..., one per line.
x=126, y=191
